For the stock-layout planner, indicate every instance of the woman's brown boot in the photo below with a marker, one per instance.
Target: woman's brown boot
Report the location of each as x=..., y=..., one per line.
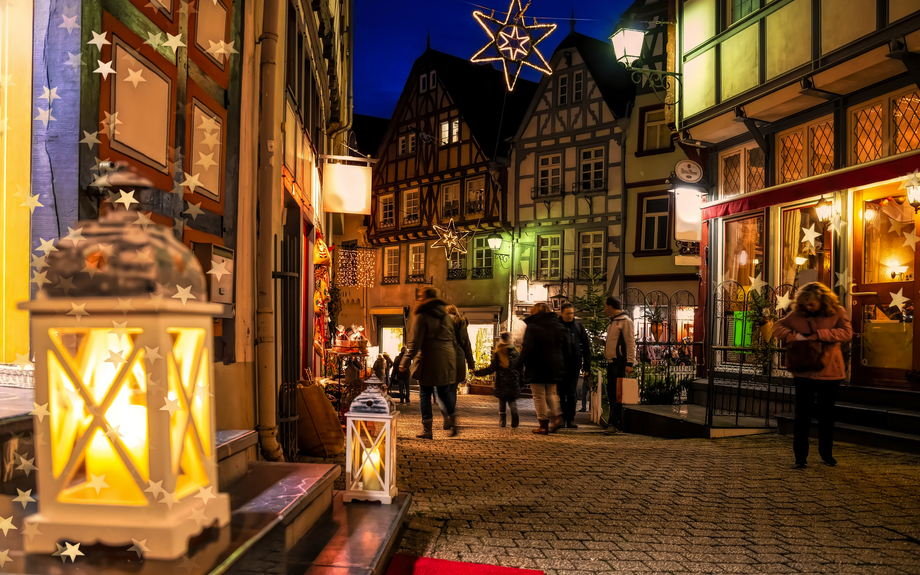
x=543, y=429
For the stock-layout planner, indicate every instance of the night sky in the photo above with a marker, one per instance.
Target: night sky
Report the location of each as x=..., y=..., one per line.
x=389, y=36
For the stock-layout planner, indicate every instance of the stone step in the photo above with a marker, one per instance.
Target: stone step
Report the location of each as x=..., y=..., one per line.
x=858, y=434
x=880, y=396
x=235, y=449
x=356, y=538
x=888, y=418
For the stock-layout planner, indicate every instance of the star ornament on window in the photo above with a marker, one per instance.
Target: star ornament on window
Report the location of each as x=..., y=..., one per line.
x=512, y=42
x=450, y=239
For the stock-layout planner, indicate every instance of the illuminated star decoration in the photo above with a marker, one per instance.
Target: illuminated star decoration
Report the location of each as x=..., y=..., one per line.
x=450, y=239
x=513, y=43
x=783, y=302
x=898, y=299
x=810, y=235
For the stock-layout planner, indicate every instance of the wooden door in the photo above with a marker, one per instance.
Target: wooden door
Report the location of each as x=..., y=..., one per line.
x=883, y=274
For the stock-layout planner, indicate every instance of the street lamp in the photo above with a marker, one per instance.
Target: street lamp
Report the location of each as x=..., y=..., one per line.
x=495, y=242
x=825, y=210
x=913, y=190
x=628, y=43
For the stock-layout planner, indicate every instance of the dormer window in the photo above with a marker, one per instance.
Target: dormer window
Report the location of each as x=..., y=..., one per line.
x=563, y=90
x=406, y=144
x=432, y=80
x=423, y=83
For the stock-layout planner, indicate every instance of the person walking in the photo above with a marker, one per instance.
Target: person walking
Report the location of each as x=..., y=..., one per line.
x=543, y=360
x=507, y=379
x=585, y=393
x=812, y=333
x=401, y=378
x=577, y=364
x=432, y=357
x=379, y=368
x=463, y=350
x=620, y=351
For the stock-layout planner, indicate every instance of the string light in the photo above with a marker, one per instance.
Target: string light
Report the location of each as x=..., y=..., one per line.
x=450, y=239
x=514, y=41
x=355, y=266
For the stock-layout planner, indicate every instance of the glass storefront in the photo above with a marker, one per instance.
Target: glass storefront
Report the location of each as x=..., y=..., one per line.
x=887, y=257
x=743, y=256
x=806, y=248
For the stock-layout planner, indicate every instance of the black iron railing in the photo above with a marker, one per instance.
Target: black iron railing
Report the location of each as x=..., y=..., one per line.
x=546, y=191
x=389, y=280
x=457, y=274
x=415, y=279
x=753, y=386
x=482, y=273
x=474, y=207
x=288, y=329
x=410, y=219
x=588, y=186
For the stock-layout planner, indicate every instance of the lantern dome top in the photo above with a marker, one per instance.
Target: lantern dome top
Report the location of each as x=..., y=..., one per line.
x=122, y=254
x=372, y=400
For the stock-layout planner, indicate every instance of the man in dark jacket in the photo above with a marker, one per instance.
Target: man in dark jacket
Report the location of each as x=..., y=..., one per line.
x=543, y=356
x=433, y=349
x=401, y=378
x=577, y=363
x=464, y=352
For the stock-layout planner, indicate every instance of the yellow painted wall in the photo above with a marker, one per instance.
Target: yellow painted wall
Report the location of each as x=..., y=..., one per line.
x=699, y=83
x=844, y=21
x=740, y=62
x=898, y=9
x=15, y=168
x=788, y=38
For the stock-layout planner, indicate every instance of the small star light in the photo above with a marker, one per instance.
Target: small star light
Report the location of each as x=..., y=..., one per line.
x=39, y=411
x=757, y=283
x=4, y=557
x=6, y=523
x=513, y=42
x=194, y=210
x=25, y=497
x=184, y=293
x=218, y=270
x=32, y=203
x=898, y=299
x=27, y=466
x=72, y=551
x=154, y=40
x=139, y=547
x=911, y=239
x=450, y=239
x=69, y=23
x=174, y=42
x=844, y=279
x=810, y=235
x=105, y=68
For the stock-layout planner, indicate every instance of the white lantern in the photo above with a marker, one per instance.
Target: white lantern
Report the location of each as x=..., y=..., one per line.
x=627, y=45
x=123, y=337
x=370, y=457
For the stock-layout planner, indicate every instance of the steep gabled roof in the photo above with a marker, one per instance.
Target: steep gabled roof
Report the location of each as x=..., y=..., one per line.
x=479, y=91
x=612, y=78
x=369, y=133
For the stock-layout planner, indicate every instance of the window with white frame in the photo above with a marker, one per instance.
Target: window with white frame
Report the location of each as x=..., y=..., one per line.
x=455, y=130
x=578, y=86
x=563, y=90
x=655, y=213
x=416, y=259
x=592, y=169
x=407, y=144
x=423, y=83
x=450, y=131
x=591, y=252
x=475, y=196
x=387, y=211
x=391, y=262
x=450, y=193
x=411, y=207
x=549, y=256
x=742, y=171
x=456, y=261
x=657, y=134
x=550, y=175
x=432, y=80
x=445, y=133
x=482, y=253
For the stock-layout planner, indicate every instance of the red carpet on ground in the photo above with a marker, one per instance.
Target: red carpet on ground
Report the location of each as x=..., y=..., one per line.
x=408, y=565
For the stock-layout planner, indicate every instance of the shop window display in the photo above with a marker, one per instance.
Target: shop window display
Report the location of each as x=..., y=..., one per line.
x=743, y=259
x=806, y=248
x=888, y=257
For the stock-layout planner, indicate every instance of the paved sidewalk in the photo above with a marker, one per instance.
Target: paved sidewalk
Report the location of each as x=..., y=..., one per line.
x=580, y=502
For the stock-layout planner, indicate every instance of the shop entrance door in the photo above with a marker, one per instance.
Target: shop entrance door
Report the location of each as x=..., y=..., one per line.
x=884, y=288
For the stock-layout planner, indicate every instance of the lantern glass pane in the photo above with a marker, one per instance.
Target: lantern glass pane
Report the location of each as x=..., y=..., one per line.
x=627, y=45
x=369, y=465
x=189, y=425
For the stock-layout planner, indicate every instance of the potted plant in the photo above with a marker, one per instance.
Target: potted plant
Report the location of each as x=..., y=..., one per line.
x=763, y=314
x=655, y=318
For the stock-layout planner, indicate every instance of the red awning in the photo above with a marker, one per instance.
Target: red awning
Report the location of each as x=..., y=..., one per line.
x=862, y=175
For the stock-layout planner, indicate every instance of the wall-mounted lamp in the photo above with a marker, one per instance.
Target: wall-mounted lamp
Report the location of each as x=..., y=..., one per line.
x=912, y=185
x=628, y=43
x=825, y=210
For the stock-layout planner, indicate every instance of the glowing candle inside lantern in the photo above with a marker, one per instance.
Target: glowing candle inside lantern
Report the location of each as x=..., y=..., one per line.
x=130, y=421
x=371, y=462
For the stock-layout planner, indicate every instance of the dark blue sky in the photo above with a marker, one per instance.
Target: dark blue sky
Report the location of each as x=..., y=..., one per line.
x=389, y=36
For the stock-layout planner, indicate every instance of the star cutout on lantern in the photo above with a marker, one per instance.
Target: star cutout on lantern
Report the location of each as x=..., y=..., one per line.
x=25, y=497
x=143, y=220
x=194, y=210
x=126, y=199
x=911, y=239
x=40, y=411
x=174, y=42
x=90, y=139
x=115, y=358
x=78, y=310
x=74, y=60
x=32, y=203
x=896, y=226
x=22, y=360
x=47, y=246
x=152, y=353
x=514, y=42
x=72, y=551
x=218, y=270
x=191, y=181
x=74, y=235
x=757, y=283
x=98, y=40
x=69, y=23
x=154, y=40
x=139, y=547
x=205, y=161
x=135, y=77
x=810, y=235
x=172, y=406
x=5, y=557
x=105, y=68
x=45, y=116
x=6, y=524
x=198, y=516
x=898, y=299
x=206, y=494
x=97, y=482
x=39, y=279
x=31, y=530
x=169, y=499
x=66, y=284
x=211, y=140
x=50, y=95
x=184, y=293
x=837, y=224
x=189, y=565
x=450, y=239
x=27, y=466
x=155, y=488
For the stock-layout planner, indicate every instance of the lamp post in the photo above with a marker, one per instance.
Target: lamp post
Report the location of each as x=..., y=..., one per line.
x=125, y=400
x=628, y=43
x=370, y=463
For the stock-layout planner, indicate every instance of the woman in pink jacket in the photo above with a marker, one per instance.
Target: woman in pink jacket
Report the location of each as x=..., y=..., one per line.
x=817, y=317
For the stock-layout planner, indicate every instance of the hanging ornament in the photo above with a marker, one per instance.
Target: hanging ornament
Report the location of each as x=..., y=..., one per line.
x=319, y=306
x=321, y=253
x=513, y=42
x=450, y=239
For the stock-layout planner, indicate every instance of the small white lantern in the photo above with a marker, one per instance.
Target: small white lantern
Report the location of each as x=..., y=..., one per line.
x=123, y=342
x=688, y=209
x=370, y=457
x=627, y=45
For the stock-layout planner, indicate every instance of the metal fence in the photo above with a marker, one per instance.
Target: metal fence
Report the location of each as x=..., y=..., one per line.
x=288, y=330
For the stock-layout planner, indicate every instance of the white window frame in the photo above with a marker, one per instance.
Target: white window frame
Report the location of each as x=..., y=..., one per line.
x=549, y=177
x=449, y=131
x=657, y=222
x=385, y=200
x=563, y=91
x=456, y=261
x=415, y=195
x=416, y=249
x=473, y=186
x=455, y=130
x=450, y=192
x=432, y=80
x=663, y=132
x=482, y=253
x=597, y=240
x=596, y=164
x=423, y=83
x=578, y=86
x=388, y=260
x=553, y=252
x=406, y=145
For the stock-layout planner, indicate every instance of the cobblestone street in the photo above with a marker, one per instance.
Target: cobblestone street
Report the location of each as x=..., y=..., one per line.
x=581, y=502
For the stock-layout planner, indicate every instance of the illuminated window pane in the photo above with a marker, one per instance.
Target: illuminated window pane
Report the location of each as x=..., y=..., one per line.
x=802, y=261
x=821, y=143
x=731, y=175
x=867, y=134
x=885, y=222
x=792, y=157
x=744, y=250
x=906, y=120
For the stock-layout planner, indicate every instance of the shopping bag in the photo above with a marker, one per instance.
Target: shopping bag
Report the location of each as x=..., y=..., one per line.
x=627, y=391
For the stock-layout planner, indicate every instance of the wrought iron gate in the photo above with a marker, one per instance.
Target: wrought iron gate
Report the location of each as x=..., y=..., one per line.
x=287, y=328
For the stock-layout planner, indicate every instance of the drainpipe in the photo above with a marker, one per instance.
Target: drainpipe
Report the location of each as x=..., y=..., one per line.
x=351, y=78
x=624, y=127
x=265, y=304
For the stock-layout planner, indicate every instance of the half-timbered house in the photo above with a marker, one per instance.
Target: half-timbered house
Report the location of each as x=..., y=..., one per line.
x=444, y=158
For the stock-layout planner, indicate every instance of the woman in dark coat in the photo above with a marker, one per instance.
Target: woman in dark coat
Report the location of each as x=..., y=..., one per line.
x=463, y=350
x=401, y=378
x=434, y=366
x=507, y=379
x=546, y=345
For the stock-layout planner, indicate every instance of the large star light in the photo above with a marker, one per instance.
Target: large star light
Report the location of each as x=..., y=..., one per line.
x=512, y=42
x=450, y=239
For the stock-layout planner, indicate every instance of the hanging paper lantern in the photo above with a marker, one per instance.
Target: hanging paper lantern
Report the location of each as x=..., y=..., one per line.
x=319, y=306
x=321, y=254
